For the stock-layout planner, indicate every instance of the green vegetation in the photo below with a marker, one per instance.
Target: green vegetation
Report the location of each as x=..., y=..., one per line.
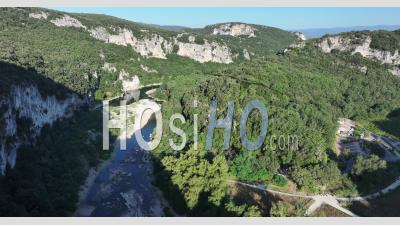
x=305, y=92
x=247, y=166
x=280, y=181
x=285, y=209
x=49, y=173
x=385, y=40
x=203, y=176
x=368, y=164
x=381, y=39
x=387, y=205
x=268, y=40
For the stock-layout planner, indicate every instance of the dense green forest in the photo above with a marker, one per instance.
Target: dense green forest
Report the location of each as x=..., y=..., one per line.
x=305, y=92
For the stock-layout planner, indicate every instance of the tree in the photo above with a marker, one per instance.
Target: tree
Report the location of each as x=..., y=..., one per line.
x=194, y=175
x=242, y=210
x=368, y=164
x=246, y=166
x=285, y=209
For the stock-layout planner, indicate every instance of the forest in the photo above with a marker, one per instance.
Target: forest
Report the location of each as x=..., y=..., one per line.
x=304, y=90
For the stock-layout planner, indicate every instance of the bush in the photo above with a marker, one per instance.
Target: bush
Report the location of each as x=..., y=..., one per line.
x=280, y=181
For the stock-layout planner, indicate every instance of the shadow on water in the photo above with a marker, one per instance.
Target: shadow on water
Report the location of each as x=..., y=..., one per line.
x=123, y=187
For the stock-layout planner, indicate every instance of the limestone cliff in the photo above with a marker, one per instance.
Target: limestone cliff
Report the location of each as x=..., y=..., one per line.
x=359, y=45
x=26, y=102
x=235, y=30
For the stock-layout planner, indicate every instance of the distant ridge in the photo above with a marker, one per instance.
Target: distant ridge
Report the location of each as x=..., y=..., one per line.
x=168, y=27
x=319, y=32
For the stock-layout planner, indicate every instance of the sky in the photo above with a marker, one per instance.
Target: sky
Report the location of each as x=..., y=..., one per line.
x=285, y=18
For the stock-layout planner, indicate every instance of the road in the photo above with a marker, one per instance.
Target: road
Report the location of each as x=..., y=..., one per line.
x=331, y=200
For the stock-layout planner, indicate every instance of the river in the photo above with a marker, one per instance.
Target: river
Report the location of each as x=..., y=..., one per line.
x=123, y=185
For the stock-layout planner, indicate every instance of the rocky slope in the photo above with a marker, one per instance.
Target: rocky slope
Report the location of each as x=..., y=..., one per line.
x=204, y=45
x=26, y=102
x=25, y=110
x=147, y=43
x=382, y=46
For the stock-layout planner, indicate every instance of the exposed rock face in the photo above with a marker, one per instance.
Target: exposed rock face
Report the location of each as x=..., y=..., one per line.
x=154, y=45
x=395, y=71
x=109, y=67
x=246, y=54
x=208, y=52
x=363, y=69
x=235, y=30
x=27, y=102
x=358, y=45
x=300, y=36
x=30, y=104
x=130, y=86
x=67, y=21
x=147, y=69
x=151, y=46
x=191, y=39
x=41, y=15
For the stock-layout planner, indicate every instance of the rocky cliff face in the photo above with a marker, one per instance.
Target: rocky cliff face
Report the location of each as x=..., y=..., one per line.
x=41, y=15
x=67, y=21
x=358, y=45
x=26, y=102
x=235, y=30
x=300, y=36
x=207, y=52
x=130, y=85
x=149, y=44
x=157, y=46
x=395, y=71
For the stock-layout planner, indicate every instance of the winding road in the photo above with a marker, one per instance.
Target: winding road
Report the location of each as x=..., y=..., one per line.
x=331, y=200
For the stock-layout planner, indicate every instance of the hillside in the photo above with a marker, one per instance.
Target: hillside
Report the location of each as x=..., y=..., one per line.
x=319, y=32
x=56, y=67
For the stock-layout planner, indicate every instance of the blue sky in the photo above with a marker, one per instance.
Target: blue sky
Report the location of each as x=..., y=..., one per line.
x=286, y=18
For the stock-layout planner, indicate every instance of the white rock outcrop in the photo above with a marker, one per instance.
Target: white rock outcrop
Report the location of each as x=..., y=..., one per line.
x=147, y=69
x=235, y=30
x=300, y=36
x=130, y=85
x=246, y=54
x=150, y=46
x=154, y=45
x=191, y=38
x=395, y=71
x=109, y=67
x=67, y=21
x=41, y=15
x=358, y=45
x=27, y=102
x=207, y=52
x=30, y=104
